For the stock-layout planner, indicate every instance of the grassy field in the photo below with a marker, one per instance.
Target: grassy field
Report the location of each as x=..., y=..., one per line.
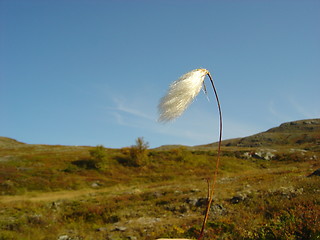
x=62, y=192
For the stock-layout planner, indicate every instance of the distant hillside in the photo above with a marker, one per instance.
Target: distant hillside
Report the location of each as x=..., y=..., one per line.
x=9, y=142
x=305, y=133
x=302, y=132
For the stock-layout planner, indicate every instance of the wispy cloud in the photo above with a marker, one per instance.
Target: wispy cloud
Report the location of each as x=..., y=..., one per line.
x=303, y=110
x=123, y=106
x=292, y=109
x=280, y=115
x=118, y=118
x=129, y=114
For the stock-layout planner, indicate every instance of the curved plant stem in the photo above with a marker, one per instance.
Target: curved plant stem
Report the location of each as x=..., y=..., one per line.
x=211, y=186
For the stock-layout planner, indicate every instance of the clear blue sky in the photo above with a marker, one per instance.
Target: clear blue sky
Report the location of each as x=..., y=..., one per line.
x=90, y=72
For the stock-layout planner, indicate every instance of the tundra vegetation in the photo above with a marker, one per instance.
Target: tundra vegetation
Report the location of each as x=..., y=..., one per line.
x=68, y=192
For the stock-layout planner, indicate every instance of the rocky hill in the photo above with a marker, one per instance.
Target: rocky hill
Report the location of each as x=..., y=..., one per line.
x=302, y=132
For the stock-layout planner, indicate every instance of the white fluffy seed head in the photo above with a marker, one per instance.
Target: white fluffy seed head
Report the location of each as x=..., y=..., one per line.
x=180, y=94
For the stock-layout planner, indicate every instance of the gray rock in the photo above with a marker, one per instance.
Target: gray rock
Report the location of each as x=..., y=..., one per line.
x=287, y=192
x=217, y=210
x=197, y=202
x=192, y=201
x=120, y=229
x=238, y=198
x=95, y=185
x=195, y=190
x=64, y=237
x=262, y=154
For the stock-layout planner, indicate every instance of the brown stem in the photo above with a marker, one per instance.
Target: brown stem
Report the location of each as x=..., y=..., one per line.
x=214, y=180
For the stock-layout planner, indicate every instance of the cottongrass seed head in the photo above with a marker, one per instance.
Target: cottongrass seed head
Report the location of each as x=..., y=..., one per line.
x=181, y=93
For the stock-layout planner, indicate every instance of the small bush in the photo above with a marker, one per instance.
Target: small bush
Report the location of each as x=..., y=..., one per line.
x=138, y=152
x=98, y=155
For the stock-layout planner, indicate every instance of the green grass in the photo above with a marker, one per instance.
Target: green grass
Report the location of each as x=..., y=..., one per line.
x=50, y=191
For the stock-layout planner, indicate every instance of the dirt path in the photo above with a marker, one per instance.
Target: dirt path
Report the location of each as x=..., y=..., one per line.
x=76, y=194
x=64, y=195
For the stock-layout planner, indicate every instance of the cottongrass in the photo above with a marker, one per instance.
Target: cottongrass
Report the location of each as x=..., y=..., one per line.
x=180, y=95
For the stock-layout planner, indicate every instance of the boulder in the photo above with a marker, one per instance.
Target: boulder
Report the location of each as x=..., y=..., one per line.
x=238, y=198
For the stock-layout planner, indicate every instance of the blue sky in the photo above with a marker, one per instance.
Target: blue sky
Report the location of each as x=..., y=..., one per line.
x=90, y=72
